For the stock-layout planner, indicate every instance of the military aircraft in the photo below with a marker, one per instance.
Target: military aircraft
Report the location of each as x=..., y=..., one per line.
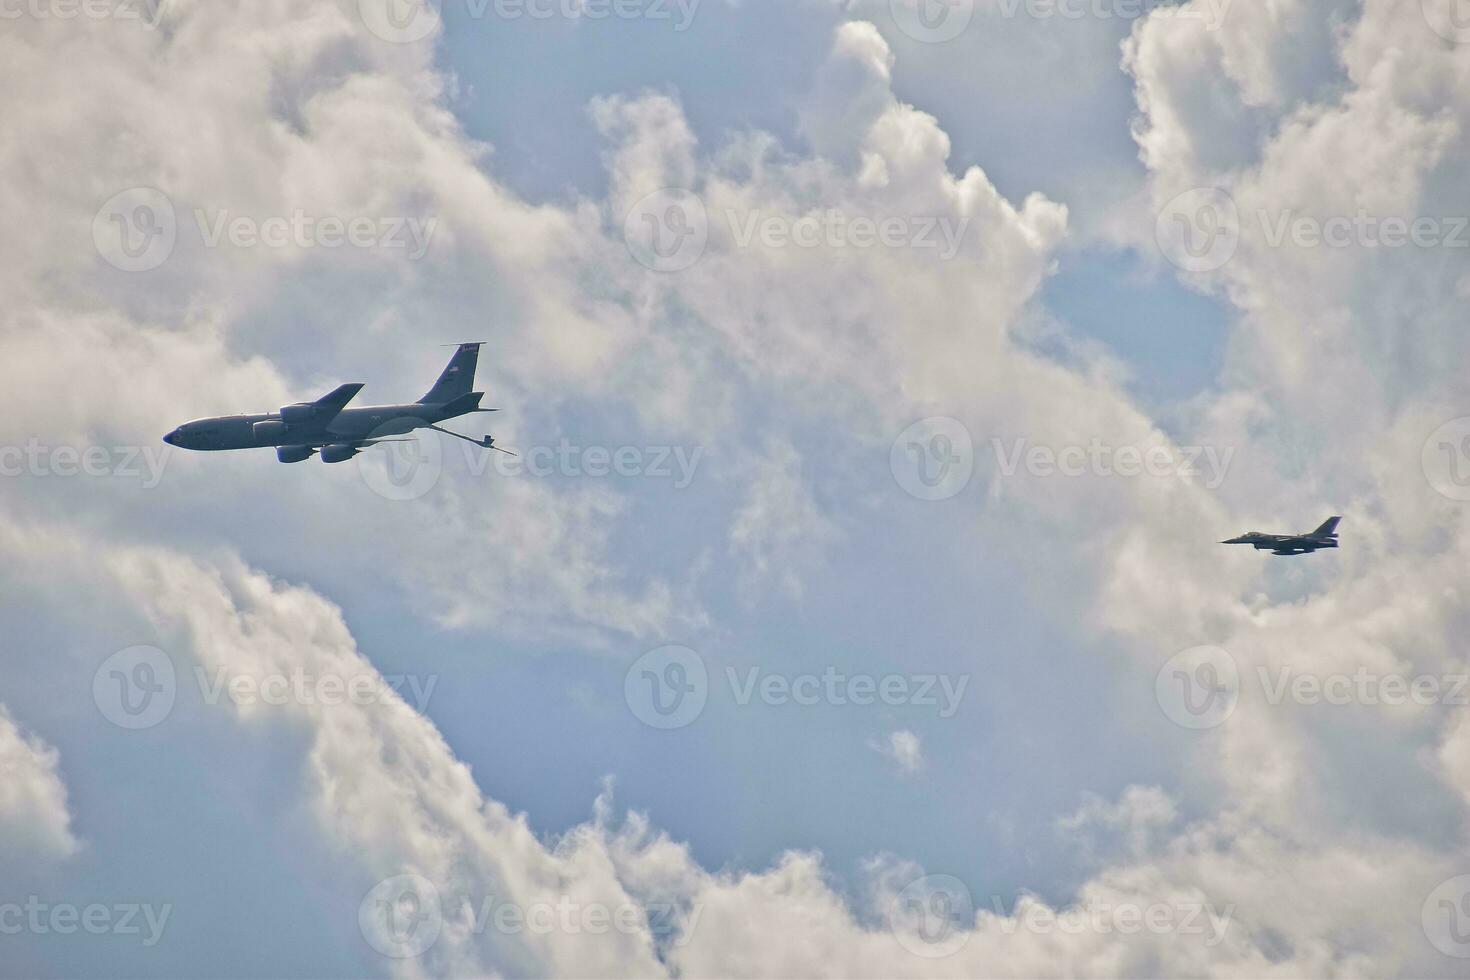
x=1292, y=544
x=327, y=426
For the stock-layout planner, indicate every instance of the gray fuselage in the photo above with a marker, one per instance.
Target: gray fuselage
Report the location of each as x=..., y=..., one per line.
x=351, y=425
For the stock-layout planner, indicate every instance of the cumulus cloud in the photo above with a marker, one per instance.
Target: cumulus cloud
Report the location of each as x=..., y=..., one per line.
x=33, y=810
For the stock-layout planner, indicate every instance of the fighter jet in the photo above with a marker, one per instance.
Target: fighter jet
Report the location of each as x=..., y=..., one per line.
x=1292, y=544
x=338, y=433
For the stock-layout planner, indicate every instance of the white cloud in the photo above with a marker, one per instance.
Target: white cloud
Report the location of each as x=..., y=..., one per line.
x=34, y=819
x=903, y=747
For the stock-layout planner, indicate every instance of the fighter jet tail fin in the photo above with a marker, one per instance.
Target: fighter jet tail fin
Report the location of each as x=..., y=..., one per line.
x=458, y=378
x=1328, y=528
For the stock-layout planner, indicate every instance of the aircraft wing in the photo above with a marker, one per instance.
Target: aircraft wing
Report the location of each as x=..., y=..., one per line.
x=331, y=405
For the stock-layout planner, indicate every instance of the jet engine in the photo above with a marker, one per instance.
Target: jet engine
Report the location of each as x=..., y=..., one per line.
x=339, y=452
x=298, y=414
x=293, y=454
x=269, y=430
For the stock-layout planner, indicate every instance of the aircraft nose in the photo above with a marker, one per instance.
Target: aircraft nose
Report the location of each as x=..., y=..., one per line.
x=172, y=438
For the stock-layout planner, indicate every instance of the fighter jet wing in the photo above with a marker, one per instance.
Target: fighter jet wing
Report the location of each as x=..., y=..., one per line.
x=330, y=406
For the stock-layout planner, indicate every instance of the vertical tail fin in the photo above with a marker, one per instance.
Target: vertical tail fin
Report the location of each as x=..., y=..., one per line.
x=458, y=378
x=1328, y=528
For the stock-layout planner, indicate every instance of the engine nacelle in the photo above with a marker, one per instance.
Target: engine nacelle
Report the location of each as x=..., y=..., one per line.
x=267, y=431
x=339, y=452
x=298, y=414
x=293, y=454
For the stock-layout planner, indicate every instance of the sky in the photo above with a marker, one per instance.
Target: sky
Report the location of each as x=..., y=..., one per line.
x=883, y=375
